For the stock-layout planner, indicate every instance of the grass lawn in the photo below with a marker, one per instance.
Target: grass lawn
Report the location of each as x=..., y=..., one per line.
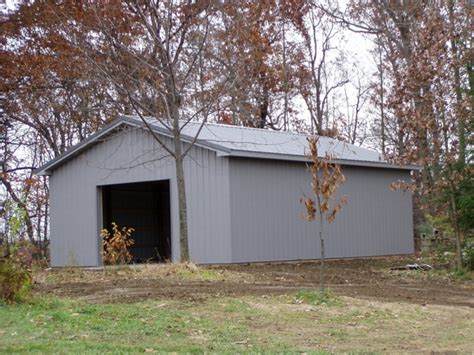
x=299, y=322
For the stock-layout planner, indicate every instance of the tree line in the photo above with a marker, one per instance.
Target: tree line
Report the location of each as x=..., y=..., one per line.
x=69, y=68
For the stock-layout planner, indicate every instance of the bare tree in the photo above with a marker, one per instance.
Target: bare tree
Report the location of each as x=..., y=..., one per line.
x=321, y=73
x=353, y=122
x=326, y=177
x=154, y=53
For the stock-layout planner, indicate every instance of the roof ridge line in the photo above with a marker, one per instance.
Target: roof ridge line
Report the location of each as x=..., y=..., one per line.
x=256, y=129
x=243, y=127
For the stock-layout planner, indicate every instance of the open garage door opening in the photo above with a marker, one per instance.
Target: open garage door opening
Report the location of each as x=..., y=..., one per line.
x=145, y=207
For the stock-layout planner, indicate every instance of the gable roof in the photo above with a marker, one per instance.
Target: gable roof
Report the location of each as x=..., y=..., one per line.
x=228, y=140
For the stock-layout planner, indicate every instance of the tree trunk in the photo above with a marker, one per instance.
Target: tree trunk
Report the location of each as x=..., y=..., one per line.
x=183, y=214
x=457, y=233
x=263, y=114
x=458, y=89
x=23, y=206
x=470, y=74
x=321, y=272
x=46, y=216
x=173, y=103
x=285, y=79
x=321, y=240
x=382, y=113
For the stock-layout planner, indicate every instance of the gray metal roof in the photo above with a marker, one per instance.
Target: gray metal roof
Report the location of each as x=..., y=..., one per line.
x=255, y=140
x=238, y=141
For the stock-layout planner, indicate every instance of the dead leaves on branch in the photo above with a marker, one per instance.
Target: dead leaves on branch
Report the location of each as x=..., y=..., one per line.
x=403, y=186
x=326, y=177
x=116, y=245
x=310, y=208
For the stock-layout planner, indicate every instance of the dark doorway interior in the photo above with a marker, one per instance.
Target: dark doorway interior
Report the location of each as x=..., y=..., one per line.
x=146, y=208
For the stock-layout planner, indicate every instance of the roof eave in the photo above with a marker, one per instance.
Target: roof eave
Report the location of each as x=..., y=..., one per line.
x=47, y=168
x=185, y=138
x=302, y=158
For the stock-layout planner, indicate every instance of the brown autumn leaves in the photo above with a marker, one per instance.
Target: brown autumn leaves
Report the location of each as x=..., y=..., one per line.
x=278, y=57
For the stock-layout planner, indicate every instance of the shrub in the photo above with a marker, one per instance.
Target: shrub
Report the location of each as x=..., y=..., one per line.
x=461, y=274
x=424, y=228
x=116, y=245
x=468, y=254
x=15, y=280
x=465, y=202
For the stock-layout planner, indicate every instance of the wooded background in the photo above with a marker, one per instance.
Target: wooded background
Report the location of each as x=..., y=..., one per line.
x=70, y=67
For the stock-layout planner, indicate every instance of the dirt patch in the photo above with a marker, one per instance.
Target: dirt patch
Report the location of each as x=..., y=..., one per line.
x=368, y=278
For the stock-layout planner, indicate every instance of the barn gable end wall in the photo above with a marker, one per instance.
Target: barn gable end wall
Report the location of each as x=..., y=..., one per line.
x=132, y=155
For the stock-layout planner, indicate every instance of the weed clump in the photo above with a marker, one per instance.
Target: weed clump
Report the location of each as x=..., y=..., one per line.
x=15, y=280
x=325, y=297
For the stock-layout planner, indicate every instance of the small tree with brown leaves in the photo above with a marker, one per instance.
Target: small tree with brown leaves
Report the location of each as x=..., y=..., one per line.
x=326, y=177
x=116, y=245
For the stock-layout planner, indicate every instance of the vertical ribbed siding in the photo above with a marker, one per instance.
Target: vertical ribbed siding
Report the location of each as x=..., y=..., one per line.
x=255, y=215
x=268, y=218
x=134, y=156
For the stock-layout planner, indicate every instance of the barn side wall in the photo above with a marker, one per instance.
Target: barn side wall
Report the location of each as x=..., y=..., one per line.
x=129, y=156
x=267, y=216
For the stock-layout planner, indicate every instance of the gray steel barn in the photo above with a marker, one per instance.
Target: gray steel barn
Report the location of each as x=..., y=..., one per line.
x=243, y=190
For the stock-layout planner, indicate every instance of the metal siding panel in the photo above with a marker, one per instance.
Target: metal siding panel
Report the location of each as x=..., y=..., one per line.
x=124, y=158
x=73, y=214
x=268, y=223
x=208, y=218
